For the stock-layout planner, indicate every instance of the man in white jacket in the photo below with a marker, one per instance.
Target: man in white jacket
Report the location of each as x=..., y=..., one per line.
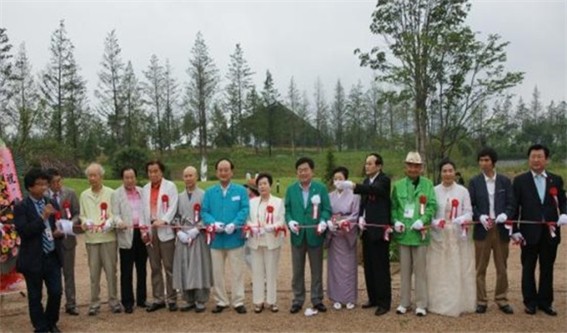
x=159, y=206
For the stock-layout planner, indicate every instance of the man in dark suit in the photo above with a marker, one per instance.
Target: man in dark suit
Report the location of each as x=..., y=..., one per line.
x=375, y=206
x=492, y=200
x=68, y=203
x=41, y=256
x=539, y=197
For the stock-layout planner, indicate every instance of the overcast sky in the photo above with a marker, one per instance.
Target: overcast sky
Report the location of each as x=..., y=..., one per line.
x=304, y=39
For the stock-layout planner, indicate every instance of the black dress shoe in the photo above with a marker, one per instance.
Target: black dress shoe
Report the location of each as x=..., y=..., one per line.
x=172, y=307
x=240, y=309
x=128, y=309
x=295, y=308
x=507, y=309
x=187, y=307
x=481, y=308
x=155, y=306
x=368, y=305
x=548, y=310
x=320, y=307
x=72, y=311
x=55, y=329
x=531, y=310
x=380, y=311
x=219, y=309
x=143, y=305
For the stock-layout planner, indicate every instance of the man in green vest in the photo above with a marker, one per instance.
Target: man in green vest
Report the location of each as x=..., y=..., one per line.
x=413, y=207
x=307, y=207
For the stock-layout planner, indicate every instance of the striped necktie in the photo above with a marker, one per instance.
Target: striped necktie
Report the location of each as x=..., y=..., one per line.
x=47, y=238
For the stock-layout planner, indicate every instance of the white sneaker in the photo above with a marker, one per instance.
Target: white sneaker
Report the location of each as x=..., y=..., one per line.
x=337, y=306
x=401, y=310
x=420, y=312
x=350, y=306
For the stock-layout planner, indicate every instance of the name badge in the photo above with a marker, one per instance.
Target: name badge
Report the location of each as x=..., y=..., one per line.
x=49, y=234
x=236, y=198
x=408, y=210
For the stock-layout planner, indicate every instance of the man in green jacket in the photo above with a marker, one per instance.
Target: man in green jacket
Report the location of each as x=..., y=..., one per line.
x=307, y=207
x=413, y=207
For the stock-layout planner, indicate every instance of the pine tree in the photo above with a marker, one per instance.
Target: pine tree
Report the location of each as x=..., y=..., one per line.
x=338, y=113
x=5, y=76
x=240, y=80
x=154, y=90
x=135, y=128
x=321, y=110
x=203, y=81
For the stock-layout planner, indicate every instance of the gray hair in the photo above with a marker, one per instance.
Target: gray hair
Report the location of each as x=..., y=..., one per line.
x=94, y=165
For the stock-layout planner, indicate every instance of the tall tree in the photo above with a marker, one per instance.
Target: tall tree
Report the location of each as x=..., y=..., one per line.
x=270, y=94
x=5, y=76
x=154, y=89
x=294, y=104
x=203, y=81
x=338, y=115
x=135, y=128
x=240, y=80
x=55, y=79
x=357, y=114
x=321, y=111
x=75, y=108
x=110, y=92
x=270, y=97
x=439, y=60
x=23, y=109
x=171, y=95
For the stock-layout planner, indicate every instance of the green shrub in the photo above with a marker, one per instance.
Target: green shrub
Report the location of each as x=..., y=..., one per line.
x=130, y=156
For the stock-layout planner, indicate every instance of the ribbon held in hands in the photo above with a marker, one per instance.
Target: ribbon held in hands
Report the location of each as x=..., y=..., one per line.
x=67, y=207
x=387, y=231
x=270, y=214
x=197, y=212
x=422, y=202
x=164, y=203
x=281, y=229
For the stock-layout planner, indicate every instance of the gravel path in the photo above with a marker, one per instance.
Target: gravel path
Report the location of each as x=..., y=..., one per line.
x=14, y=315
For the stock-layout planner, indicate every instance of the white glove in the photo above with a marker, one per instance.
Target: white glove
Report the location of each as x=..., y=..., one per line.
x=562, y=220
x=258, y=231
x=345, y=185
x=362, y=223
x=321, y=227
x=269, y=228
x=484, y=221
x=183, y=237
x=193, y=233
x=517, y=237
x=501, y=218
x=332, y=227
x=89, y=224
x=438, y=224
x=417, y=225
x=219, y=227
x=229, y=229
x=294, y=227
x=107, y=225
x=399, y=227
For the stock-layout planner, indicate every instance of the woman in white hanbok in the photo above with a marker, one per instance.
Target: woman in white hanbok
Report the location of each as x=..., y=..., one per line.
x=450, y=256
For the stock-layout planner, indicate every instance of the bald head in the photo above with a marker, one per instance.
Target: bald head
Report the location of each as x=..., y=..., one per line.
x=190, y=177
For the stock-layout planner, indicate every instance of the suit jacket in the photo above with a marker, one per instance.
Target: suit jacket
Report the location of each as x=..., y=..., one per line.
x=296, y=211
x=528, y=207
x=122, y=213
x=30, y=228
x=375, y=204
x=230, y=208
x=257, y=218
x=503, y=203
x=67, y=194
x=166, y=214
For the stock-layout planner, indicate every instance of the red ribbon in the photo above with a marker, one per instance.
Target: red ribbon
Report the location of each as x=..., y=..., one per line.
x=551, y=227
x=103, y=208
x=210, y=231
x=281, y=229
x=315, y=211
x=441, y=224
x=165, y=202
x=387, y=233
x=57, y=216
x=197, y=212
x=422, y=202
x=423, y=232
x=270, y=215
x=345, y=225
x=454, y=206
x=246, y=231
x=509, y=225
x=144, y=232
x=67, y=208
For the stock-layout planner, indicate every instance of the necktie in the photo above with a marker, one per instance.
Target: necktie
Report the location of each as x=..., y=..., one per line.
x=540, y=184
x=56, y=197
x=47, y=238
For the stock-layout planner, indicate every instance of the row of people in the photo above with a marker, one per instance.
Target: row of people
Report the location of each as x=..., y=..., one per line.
x=189, y=236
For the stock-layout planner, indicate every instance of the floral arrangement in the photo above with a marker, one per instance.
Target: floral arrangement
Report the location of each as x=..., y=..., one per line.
x=9, y=239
